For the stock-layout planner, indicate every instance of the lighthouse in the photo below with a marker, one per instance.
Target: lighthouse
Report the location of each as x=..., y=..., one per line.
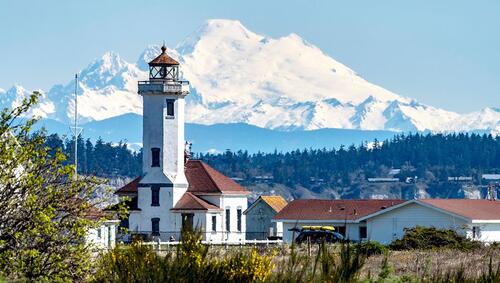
x=163, y=179
x=173, y=194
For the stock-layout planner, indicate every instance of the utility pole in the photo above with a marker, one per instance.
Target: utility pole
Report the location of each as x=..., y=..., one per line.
x=75, y=129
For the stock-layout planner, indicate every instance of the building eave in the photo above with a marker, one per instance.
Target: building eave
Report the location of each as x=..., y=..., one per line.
x=338, y=221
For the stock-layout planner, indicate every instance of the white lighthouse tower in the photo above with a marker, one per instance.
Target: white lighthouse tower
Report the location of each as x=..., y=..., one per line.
x=163, y=180
x=173, y=194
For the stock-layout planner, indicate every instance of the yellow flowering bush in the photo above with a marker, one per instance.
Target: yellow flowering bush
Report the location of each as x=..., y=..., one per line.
x=245, y=267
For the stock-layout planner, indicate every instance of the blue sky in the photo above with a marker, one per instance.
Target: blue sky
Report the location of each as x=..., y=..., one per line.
x=443, y=53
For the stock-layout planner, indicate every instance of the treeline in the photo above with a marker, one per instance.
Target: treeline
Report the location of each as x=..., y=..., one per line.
x=102, y=159
x=429, y=156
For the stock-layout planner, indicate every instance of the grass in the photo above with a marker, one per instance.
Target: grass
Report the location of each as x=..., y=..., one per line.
x=194, y=262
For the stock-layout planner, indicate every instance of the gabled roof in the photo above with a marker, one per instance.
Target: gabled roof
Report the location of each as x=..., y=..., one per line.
x=277, y=203
x=163, y=59
x=473, y=209
x=334, y=210
x=130, y=188
x=189, y=201
x=202, y=179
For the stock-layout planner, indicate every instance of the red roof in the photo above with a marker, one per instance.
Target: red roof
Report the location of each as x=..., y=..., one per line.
x=130, y=188
x=189, y=201
x=202, y=179
x=163, y=59
x=473, y=209
x=322, y=209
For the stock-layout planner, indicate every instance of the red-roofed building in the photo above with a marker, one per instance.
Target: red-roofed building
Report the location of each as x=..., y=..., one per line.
x=172, y=194
x=386, y=220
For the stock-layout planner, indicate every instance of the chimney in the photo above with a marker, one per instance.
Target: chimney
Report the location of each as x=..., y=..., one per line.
x=491, y=193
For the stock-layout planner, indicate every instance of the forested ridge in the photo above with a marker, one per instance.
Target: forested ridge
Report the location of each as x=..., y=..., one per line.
x=428, y=156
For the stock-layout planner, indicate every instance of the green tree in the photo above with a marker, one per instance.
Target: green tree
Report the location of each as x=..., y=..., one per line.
x=44, y=211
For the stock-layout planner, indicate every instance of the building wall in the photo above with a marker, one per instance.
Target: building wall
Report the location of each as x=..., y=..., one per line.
x=489, y=232
x=217, y=235
x=259, y=222
x=103, y=236
x=234, y=203
x=166, y=133
x=389, y=226
x=169, y=222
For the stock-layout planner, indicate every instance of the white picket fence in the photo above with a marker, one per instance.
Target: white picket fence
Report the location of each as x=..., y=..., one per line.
x=221, y=243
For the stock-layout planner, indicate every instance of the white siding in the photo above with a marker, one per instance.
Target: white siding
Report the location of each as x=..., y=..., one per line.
x=488, y=232
x=389, y=226
x=103, y=236
x=233, y=203
x=259, y=222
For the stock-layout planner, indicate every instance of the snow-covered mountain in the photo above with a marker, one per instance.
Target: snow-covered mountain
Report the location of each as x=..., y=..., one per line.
x=238, y=76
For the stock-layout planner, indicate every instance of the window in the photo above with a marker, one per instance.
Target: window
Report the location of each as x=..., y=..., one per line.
x=340, y=230
x=363, y=232
x=99, y=233
x=155, y=196
x=155, y=154
x=228, y=220
x=214, y=223
x=187, y=221
x=155, y=226
x=170, y=108
x=476, y=232
x=238, y=217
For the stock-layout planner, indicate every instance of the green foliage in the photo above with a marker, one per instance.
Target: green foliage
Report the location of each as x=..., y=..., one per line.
x=332, y=263
x=370, y=248
x=43, y=219
x=189, y=263
x=423, y=238
x=431, y=157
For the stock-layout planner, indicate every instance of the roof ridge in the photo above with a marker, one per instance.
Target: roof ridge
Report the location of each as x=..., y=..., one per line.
x=209, y=176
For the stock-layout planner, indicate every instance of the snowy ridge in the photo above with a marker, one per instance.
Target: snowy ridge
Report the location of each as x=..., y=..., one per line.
x=238, y=76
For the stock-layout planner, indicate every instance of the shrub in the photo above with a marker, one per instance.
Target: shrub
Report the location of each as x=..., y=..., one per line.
x=189, y=263
x=425, y=238
x=370, y=248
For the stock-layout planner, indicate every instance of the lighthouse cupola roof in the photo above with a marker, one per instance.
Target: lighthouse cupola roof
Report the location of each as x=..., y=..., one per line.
x=164, y=67
x=163, y=59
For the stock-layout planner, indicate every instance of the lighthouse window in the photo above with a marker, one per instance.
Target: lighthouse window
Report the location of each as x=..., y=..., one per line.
x=155, y=196
x=155, y=154
x=155, y=226
x=170, y=108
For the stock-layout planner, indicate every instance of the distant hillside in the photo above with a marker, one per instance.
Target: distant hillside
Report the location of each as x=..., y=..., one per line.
x=404, y=166
x=219, y=137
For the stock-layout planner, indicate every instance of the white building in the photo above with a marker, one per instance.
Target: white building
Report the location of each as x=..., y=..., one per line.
x=259, y=218
x=104, y=235
x=174, y=192
x=386, y=220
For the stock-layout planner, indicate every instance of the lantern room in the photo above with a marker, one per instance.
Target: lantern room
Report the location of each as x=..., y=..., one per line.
x=164, y=67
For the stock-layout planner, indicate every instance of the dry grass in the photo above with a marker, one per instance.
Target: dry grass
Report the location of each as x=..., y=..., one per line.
x=424, y=263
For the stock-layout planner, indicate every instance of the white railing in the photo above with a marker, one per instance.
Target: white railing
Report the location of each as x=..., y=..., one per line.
x=224, y=243
x=164, y=87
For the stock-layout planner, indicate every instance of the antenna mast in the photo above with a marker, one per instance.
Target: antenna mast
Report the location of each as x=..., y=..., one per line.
x=75, y=129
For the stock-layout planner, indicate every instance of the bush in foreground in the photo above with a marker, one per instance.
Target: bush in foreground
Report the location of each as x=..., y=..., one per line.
x=189, y=263
x=424, y=238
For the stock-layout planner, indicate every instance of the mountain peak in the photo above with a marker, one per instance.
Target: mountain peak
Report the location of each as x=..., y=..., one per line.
x=238, y=76
x=216, y=31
